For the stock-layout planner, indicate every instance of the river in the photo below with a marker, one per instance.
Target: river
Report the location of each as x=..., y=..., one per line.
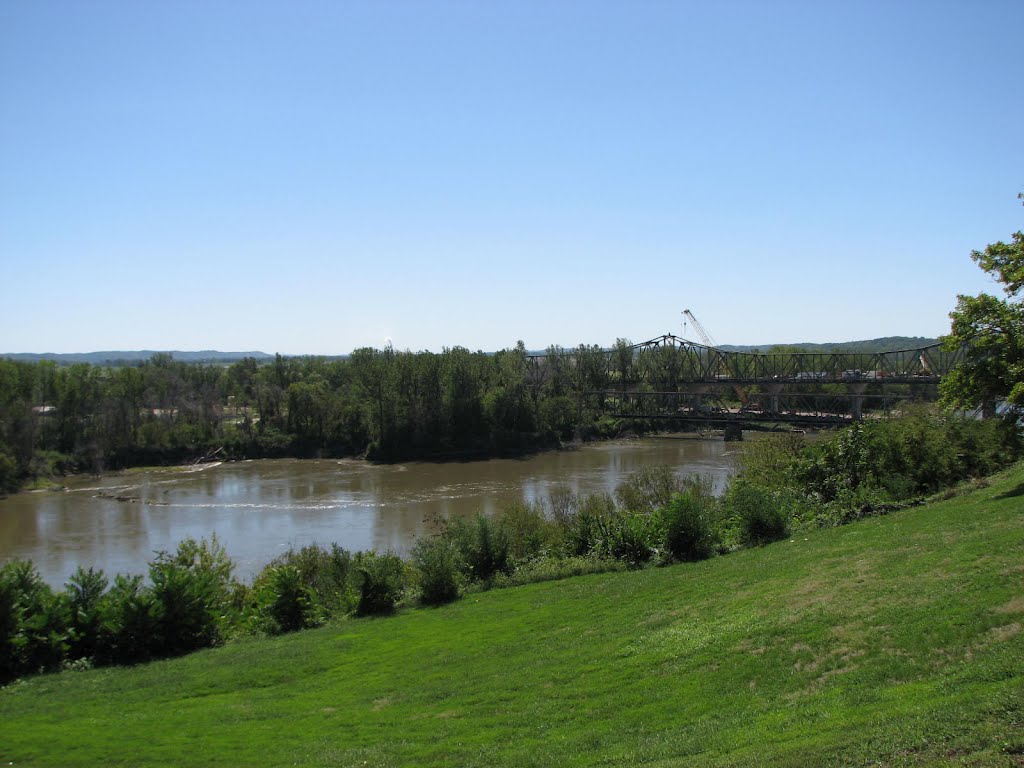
x=258, y=509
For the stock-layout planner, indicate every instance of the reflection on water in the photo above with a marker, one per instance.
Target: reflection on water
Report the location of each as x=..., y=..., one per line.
x=258, y=509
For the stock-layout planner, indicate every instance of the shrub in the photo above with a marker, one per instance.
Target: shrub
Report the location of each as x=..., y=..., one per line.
x=34, y=630
x=759, y=517
x=484, y=547
x=648, y=489
x=133, y=626
x=530, y=533
x=438, y=565
x=86, y=593
x=285, y=603
x=769, y=460
x=583, y=530
x=193, y=593
x=381, y=583
x=688, y=522
x=184, y=609
x=627, y=536
x=329, y=575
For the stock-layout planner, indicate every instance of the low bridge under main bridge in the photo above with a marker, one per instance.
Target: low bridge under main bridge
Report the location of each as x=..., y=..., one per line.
x=671, y=378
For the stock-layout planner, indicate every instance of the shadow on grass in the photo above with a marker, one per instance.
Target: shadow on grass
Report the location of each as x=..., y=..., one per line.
x=1013, y=492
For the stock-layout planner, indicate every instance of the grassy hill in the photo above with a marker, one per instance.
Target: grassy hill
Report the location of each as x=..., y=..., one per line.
x=895, y=641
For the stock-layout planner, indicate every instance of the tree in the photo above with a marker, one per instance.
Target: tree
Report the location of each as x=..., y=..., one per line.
x=992, y=332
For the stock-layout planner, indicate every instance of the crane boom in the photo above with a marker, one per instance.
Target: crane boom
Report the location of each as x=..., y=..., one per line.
x=705, y=337
x=701, y=331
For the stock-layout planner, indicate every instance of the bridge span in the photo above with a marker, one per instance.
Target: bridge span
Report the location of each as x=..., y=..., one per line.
x=672, y=378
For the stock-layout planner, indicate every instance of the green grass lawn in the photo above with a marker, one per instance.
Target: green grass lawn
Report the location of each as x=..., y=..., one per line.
x=895, y=641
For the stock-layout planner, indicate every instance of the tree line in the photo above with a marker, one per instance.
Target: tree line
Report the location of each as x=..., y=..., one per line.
x=385, y=404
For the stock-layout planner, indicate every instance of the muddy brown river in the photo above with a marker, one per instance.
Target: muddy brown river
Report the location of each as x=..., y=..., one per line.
x=258, y=509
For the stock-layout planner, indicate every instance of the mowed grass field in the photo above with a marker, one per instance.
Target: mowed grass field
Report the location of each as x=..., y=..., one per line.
x=895, y=641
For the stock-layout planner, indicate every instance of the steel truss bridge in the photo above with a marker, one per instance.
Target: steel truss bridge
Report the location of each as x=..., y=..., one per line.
x=672, y=378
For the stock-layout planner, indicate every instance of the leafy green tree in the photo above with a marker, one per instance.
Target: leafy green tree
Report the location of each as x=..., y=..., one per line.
x=85, y=592
x=992, y=332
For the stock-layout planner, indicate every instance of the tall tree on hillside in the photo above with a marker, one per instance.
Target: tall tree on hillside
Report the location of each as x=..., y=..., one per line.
x=992, y=331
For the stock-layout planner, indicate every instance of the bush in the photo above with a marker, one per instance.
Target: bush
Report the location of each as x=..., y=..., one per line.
x=330, y=577
x=648, y=489
x=582, y=526
x=688, y=522
x=530, y=533
x=34, y=629
x=484, y=547
x=438, y=565
x=627, y=536
x=769, y=460
x=193, y=593
x=133, y=625
x=285, y=603
x=89, y=611
x=759, y=517
x=381, y=583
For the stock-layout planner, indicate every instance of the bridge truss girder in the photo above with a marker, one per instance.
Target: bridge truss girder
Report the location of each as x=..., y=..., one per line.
x=669, y=376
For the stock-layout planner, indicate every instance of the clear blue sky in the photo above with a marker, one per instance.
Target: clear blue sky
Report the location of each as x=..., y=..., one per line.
x=312, y=177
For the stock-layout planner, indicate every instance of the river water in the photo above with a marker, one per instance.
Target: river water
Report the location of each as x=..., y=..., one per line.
x=258, y=509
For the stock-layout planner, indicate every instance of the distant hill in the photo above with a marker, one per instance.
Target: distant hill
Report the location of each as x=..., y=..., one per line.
x=886, y=344
x=138, y=356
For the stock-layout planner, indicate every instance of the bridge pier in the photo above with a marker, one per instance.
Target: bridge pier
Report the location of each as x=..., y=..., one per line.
x=857, y=399
x=774, y=390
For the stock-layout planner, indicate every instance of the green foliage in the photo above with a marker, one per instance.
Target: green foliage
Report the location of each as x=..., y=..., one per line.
x=768, y=460
x=627, y=536
x=285, y=603
x=529, y=531
x=917, y=454
x=689, y=522
x=648, y=489
x=34, y=630
x=582, y=522
x=8, y=472
x=552, y=568
x=558, y=414
x=133, y=624
x=759, y=517
x=89, y=611
x=484, y=547
x=381, y=583
x=439, y=565
x=329, y=576
x=991, y=331
x=193, y=593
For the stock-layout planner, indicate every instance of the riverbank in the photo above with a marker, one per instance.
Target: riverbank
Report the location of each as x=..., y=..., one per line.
x=840, y=647
x=260, y=508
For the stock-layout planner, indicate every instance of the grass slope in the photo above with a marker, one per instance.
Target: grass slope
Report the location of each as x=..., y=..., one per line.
x=895, y=641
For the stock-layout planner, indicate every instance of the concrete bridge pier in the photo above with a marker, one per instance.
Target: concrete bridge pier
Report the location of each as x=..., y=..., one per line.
x=857, y=399
x=774, y=390
x=697, y=392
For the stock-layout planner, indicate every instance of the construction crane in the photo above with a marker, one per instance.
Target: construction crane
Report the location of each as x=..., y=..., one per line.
x=705, y=337
x=708, y=341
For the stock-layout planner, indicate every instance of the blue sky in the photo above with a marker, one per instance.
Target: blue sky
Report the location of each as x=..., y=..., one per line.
x=313, y=177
